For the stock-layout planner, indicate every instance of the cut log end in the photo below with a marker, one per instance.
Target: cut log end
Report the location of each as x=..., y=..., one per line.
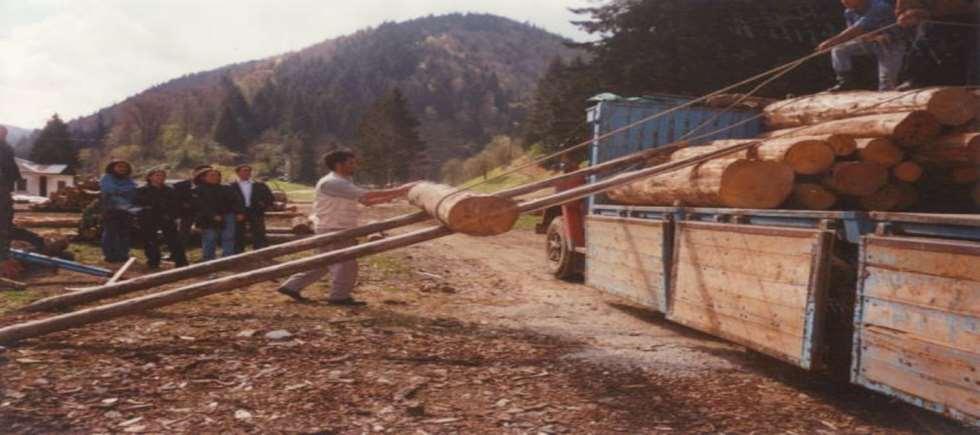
x=917, y=129
x=908, y=172
x=842, y=144
x=858, y=178
x=952, y=106
x=811, y=196
x=465, y=212
x=756, y=184
x=885, y=199
x=810, y=157
x=879, y=150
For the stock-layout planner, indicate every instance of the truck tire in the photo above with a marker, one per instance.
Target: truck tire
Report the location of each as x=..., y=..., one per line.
x=563, y=262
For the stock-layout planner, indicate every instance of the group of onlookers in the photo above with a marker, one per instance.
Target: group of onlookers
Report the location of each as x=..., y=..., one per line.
x=226, y=214
x=930, y=42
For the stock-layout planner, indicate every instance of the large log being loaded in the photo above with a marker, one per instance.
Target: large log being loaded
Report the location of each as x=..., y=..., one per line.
x=259, y=255
x=39, y=327
x=955, y=149
x=949, y=106
x=857, y=178
x=907, y=129
x=726, y=181
x=465, y=212
x=879, y=150
x=806, y=156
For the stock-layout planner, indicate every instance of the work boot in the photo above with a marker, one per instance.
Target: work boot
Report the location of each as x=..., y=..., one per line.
x=845, y=82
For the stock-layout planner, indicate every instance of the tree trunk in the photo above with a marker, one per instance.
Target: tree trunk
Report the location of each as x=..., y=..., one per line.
x=812, y=196
x=727, y=181
x=858, y=178
x=879, y=150
x=805, y=156
x=907, y=171
x=955, y=149
x=465, y=212
x=907, y=129
x=950, y=106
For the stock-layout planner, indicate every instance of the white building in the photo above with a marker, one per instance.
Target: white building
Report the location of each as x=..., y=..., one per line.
x=42, y=180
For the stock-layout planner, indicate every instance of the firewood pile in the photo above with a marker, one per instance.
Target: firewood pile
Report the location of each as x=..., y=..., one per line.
x=878, y=151
x=70, y=198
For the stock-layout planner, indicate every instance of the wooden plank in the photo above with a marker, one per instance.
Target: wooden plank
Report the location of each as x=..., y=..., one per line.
x=786, y=319
x=766, y=340
x=954, y=330
x=623, y=258
x=950, y=259
x=894, y=378
x=971, y=220
x=745, y=237
x=921, y=357
x=794, y=270
x=938, y=292
x=744, y=285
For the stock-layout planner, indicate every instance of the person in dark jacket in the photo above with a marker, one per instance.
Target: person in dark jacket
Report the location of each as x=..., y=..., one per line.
x=159, y=207
x=257, y=198
x=218, y=210
x=185, y=199
x=9, y=176
x=118, y=209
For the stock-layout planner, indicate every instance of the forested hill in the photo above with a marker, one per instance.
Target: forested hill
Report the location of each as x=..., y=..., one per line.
x=464, y=77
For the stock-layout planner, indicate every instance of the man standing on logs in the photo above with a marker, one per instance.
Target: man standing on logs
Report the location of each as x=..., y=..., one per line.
x=889, y=47
x=257, y=199
x=335, y=208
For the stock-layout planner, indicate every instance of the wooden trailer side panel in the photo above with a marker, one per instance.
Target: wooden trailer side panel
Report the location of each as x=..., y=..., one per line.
x=917, y=325
x=624, y=256
x=761, y=287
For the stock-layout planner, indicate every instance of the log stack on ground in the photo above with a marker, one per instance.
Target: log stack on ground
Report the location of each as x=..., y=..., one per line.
x=465, y=212
x=68, y=199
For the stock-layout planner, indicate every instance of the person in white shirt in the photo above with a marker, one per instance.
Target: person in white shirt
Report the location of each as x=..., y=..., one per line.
x=257, y=199
x=336, y=208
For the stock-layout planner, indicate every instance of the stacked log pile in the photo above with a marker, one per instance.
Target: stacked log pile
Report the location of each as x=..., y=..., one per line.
x=912, y=150
x=68, y=199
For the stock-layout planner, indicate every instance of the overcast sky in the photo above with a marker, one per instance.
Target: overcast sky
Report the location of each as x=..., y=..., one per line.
x=76, y=56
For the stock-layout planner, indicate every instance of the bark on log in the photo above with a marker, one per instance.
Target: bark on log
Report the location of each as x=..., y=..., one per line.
x=885, y=199
x=954, y=149
x=907, y=129
x=251, y=257
x=806, y=156
x=858, y=178
x=728, y=181
x=907, y=171
x=102, y=313
x=879, y=150
x=301, y=225
x=812, y=196
x=950, y=106
x=465, y=212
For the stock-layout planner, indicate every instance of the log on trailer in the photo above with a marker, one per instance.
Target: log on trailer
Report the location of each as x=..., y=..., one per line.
x=879, y=150
x=259, y=255
x=805, y=155
x=907, y=171
x=812, y=196
x=949, y=106
x=103, y=313
x=949, y=150
x=857, y=178
x=907, y=129
x=465, y=212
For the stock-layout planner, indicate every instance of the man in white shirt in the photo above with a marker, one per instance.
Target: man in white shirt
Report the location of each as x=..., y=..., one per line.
x=335, y=208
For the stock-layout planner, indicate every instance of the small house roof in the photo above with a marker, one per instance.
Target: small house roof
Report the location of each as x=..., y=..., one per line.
x=37, y=168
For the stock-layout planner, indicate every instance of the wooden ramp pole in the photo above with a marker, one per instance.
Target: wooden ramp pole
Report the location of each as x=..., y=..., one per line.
x=122, y=270
x=102, y=313
x=200, y=269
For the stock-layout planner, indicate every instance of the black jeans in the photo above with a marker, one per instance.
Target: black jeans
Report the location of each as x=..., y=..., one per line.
x=254, y=224
x=8, y=232
x=150, y=229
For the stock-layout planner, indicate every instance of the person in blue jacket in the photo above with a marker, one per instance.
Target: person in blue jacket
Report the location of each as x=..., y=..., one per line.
x=118, y=209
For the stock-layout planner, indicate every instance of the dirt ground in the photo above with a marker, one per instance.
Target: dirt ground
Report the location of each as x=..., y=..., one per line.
x=461, y=335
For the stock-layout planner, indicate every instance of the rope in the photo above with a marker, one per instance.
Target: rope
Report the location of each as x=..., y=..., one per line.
x=779, y=69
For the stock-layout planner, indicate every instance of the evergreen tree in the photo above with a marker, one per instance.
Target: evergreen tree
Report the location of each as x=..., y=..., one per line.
x=557, y=117
x=54, y=145
x=227, y=133
x=391, y=149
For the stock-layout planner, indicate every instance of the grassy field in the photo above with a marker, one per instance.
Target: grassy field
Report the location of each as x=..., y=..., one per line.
x=295, y=191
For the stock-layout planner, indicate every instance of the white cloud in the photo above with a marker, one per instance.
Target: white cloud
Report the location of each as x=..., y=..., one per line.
x=76, y=56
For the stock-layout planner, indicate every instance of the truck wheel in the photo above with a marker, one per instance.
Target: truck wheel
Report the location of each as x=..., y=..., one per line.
x=563, y=262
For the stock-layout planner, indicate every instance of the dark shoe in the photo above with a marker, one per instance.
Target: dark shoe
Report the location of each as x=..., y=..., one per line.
x=292, y=294
x=349, y=302
x=845, y=82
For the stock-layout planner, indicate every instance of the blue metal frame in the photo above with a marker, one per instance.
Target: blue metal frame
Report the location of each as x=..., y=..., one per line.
x=44, y=260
